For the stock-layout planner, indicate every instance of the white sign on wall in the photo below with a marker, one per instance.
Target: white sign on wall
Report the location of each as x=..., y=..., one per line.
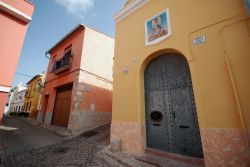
x=125, y=70
x=199, y=40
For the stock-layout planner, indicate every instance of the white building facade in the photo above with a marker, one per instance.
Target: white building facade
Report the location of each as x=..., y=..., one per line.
x=18, y=98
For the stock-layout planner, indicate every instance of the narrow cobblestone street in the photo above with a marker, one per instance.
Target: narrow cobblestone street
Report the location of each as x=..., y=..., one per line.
x=27, y=145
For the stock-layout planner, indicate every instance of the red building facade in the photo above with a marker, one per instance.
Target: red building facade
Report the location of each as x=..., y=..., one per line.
x=15, y=16
x=78, y=86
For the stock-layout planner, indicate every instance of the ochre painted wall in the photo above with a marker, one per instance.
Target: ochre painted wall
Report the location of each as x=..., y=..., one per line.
x=32, y=96
x=219, y=71
x=212, y=86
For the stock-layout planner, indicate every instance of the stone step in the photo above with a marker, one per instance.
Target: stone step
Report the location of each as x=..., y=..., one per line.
x=163, y=162
x=193, y=161
x=121, y=159
x=165, y=159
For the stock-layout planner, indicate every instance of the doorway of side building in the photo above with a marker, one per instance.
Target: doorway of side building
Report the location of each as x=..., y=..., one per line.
x=171, y=118
x=62, y=106
x=45, y=104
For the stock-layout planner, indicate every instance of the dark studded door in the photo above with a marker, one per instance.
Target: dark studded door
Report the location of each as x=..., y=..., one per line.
x=171, y=118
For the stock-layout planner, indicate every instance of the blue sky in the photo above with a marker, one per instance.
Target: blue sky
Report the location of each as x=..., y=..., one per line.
x=53, y=19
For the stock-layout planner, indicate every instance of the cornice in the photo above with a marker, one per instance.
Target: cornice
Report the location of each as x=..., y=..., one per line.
x=14, y=12
x=5, y=89
x=135, y=5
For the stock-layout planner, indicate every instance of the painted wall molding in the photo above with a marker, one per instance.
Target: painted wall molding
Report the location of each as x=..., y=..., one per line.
x=122, y=14
x=14, y=12
x=5, y=89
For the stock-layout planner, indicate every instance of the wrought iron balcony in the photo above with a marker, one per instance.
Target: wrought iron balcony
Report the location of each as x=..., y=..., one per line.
x=62, y=64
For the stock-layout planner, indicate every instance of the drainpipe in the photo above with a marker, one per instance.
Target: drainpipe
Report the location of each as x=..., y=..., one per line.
x=38, y=104
x=46, y=55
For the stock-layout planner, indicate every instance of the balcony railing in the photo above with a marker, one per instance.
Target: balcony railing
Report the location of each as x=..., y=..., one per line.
x=62, y=64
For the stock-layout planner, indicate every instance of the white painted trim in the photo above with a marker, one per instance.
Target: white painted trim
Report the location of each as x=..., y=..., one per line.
x=14, y=12
x=122, y=14
x=5, y=89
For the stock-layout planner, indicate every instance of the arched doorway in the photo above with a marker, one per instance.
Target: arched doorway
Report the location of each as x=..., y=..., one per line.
x=171, y=118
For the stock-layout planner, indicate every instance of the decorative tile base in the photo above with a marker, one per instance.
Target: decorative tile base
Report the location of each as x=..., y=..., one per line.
x=224, y=148
x=221, y=147
x=132, y=136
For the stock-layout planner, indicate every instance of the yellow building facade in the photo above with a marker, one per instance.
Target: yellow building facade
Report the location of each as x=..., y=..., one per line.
x=213, y=38
x=33, y=95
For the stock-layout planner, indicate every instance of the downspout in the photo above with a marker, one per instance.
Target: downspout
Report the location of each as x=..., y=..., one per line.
x=46, y=55
x=38, y=104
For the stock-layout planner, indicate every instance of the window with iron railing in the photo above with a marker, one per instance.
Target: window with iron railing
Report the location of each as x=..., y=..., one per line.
x=63, y=64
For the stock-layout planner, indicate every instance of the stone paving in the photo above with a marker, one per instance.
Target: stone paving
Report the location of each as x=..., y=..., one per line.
x=72, y=153
x=19, y=136
x=24, y=144
x=50, y=150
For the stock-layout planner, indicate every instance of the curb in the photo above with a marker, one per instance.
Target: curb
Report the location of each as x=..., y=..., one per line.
x=121, y=159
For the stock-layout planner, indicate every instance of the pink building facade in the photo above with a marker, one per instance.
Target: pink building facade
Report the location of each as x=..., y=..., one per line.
x=15, y=16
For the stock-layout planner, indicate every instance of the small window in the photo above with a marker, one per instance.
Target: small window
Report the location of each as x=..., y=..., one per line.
x=67, y=51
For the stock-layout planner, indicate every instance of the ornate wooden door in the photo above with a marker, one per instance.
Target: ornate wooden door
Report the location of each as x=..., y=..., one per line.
x=171, y=118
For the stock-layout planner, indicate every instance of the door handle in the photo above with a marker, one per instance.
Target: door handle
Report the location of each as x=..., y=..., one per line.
x=183, y=127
